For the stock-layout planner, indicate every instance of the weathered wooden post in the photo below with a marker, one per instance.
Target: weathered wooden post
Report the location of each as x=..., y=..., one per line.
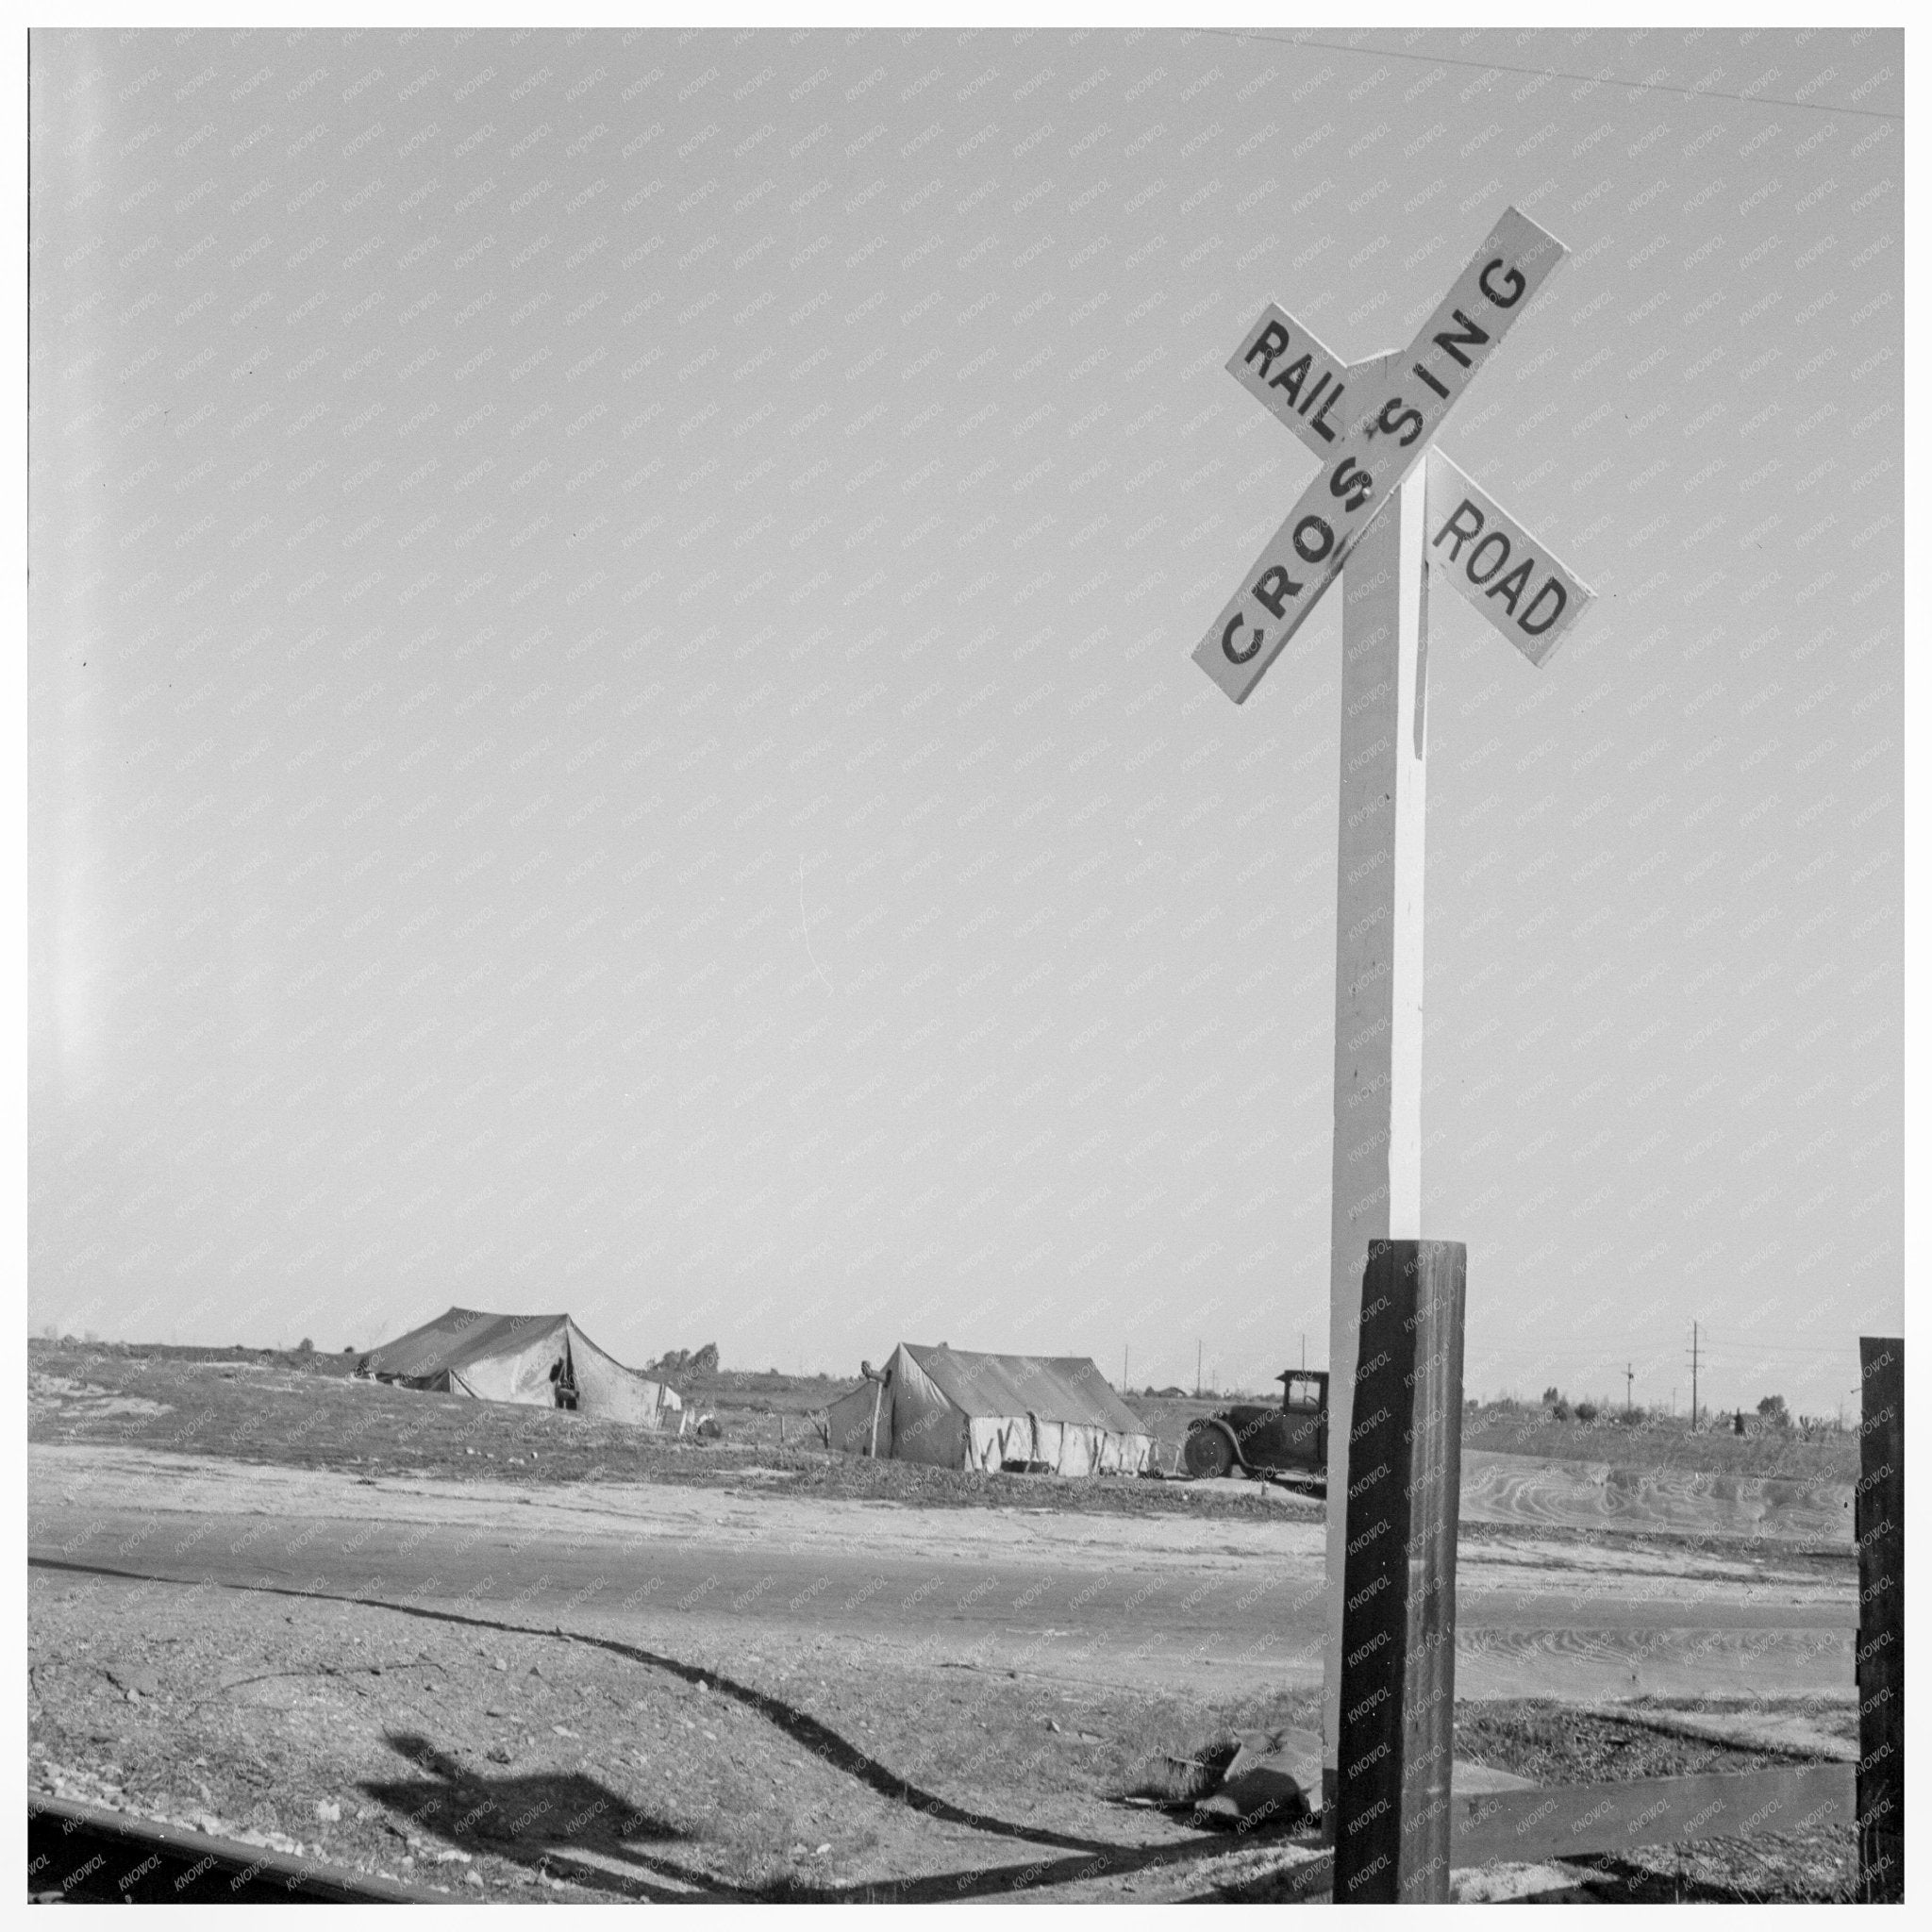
x=1392, y=1812
x=1880, y=1522
x=1386, y=512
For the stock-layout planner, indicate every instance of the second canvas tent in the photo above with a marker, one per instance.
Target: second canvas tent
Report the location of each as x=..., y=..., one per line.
x=956, y=1409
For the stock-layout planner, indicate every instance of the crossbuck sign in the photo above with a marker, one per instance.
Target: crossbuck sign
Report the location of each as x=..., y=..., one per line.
x=1371, y=423
x=1388, y=513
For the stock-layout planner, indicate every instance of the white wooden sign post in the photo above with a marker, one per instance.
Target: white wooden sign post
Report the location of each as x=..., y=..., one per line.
x=1386, y=512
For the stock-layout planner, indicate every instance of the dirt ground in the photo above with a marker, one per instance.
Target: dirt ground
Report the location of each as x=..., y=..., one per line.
x=310, y=1412
x=518, y=1761
x=512, y=1653
x=306, y=1411
x=503, y=1760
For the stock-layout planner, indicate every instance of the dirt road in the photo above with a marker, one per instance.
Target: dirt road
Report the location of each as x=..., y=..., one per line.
x=1154, y=1602
x=668, y=1690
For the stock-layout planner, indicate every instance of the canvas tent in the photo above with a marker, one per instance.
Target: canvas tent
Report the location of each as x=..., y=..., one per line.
x=545, y=1360
x=957, y=1410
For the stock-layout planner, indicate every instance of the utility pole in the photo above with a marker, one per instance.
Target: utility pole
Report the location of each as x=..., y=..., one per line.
x=1693, y=1378
x=1629, y=1381
x=1197, y=1367
x=1123, y=1368
x=1305, y=1348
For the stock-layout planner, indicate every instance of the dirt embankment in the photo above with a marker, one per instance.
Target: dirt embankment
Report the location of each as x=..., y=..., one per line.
x=1663, y=1443
x=1573, y=1494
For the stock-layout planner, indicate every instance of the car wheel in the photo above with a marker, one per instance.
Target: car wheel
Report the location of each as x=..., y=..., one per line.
x=1206, y=1454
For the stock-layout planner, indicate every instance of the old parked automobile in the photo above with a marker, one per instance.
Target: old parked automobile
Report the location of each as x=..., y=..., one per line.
x=1291, y=1441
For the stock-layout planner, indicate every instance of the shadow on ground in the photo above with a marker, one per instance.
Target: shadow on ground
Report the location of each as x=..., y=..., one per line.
x=570, y=1823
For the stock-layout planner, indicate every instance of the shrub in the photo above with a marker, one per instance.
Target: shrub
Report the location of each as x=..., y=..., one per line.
x=686, y=1361
x=1586, y=1411
x=1561, y=1410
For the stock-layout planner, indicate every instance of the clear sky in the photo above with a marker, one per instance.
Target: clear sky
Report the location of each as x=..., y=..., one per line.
x=612, y=729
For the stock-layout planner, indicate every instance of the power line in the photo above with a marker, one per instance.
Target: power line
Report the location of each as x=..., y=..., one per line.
x=1662, y=87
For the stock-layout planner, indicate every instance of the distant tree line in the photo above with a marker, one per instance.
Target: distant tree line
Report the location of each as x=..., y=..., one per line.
x=685, y=1361
x=1772, y=1414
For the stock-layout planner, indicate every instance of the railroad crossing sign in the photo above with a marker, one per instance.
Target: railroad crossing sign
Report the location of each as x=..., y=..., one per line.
x=1388, y=513
x=1370, y=423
